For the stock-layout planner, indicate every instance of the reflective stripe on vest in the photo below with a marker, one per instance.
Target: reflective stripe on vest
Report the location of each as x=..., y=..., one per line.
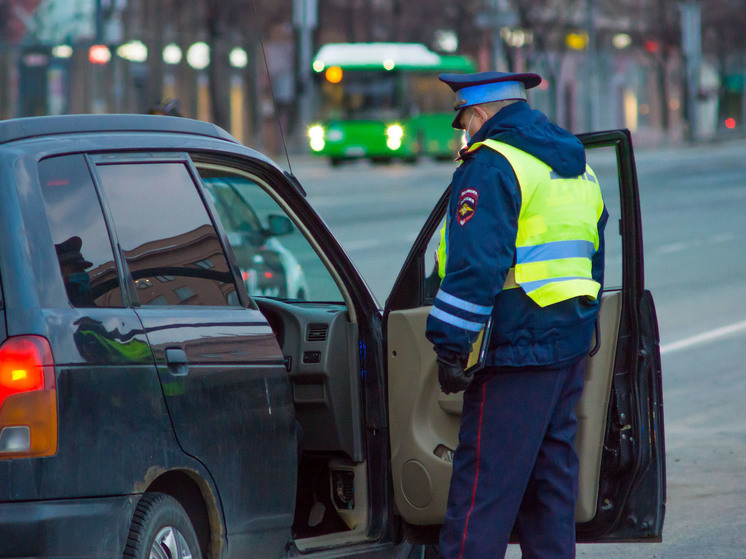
x=442, y=252
x=557, y=228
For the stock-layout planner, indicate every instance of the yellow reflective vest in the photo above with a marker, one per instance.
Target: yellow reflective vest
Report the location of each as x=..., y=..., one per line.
x=557, y=230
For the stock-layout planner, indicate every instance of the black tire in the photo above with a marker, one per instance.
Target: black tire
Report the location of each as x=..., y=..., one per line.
x=161, y=528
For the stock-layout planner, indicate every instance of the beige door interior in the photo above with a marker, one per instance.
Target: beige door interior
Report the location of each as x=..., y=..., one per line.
x=424, y=422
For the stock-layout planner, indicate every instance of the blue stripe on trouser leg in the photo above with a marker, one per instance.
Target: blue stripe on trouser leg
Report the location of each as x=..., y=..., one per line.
x=514, y=426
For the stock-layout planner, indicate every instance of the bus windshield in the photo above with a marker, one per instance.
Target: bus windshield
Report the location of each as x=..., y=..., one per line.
x=361, y=95
x=383, y=101
x=383, y=80
x=384, y=95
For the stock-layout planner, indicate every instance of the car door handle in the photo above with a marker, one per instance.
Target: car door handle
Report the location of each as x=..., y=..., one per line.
x=176, y=360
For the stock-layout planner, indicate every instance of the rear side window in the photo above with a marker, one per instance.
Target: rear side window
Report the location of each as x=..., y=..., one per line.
x=168, y=240
x=82, y=242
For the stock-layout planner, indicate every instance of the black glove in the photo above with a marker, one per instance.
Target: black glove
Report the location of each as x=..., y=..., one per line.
x=451, y=375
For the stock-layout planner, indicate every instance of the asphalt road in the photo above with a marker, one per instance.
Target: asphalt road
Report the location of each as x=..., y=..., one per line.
x=693, y=205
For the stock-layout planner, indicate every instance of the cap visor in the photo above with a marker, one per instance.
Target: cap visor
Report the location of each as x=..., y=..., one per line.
x=456, y=119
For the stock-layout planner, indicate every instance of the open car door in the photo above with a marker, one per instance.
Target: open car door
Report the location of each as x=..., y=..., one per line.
x=620, y=440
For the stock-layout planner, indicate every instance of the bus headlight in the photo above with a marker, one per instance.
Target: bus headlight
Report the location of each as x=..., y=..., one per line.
x=316, y=137
x=394, y=135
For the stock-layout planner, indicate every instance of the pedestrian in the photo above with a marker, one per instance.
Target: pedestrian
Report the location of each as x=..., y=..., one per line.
x=523, y=245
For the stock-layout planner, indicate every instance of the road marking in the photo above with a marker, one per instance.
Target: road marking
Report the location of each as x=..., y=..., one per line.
x=686, y=245
x=704, y=337
x=674, y=247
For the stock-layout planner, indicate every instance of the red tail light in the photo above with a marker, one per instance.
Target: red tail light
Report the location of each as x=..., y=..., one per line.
x=28, y=398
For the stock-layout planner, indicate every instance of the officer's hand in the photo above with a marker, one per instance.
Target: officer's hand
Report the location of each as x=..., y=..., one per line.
x=451, y=375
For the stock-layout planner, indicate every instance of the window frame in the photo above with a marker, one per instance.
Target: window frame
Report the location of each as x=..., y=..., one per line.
x=127, y=280
x=124, y=292
x=285, y=207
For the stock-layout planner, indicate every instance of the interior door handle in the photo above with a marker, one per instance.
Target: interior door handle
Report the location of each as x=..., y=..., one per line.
x=597, y=339
x=176, y=360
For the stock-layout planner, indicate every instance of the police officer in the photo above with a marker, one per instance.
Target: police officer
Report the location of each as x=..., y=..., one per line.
x=524, y=245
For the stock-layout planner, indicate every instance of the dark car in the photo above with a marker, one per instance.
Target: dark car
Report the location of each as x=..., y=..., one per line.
x=153, y=404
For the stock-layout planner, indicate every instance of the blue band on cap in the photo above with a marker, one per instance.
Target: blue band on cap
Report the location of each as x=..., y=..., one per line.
x=488, y=92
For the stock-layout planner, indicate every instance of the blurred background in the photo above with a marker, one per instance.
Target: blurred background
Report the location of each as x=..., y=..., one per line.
x=670, y=71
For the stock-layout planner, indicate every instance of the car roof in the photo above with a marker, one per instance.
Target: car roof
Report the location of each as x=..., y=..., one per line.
x=24, y=128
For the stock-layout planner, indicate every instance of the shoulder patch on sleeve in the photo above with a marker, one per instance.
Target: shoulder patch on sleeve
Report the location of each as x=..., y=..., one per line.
x=467, y=205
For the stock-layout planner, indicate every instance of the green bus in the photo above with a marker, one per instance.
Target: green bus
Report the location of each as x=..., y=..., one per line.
x=382, y=101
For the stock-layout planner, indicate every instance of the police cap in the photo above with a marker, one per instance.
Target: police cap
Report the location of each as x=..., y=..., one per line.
x=68, y=253
x=486, y=87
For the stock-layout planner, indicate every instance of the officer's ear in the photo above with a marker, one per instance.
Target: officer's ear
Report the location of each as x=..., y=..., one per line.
x=481, y=113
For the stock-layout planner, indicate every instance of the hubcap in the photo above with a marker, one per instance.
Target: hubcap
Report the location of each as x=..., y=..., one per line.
x=169, y=543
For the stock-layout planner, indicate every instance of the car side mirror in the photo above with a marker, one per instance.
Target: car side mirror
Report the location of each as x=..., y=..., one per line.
x=279, y=225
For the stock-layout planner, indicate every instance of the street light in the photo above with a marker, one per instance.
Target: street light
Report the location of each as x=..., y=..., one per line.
x=198, y=56
x=621, y=41
x=238, y=58
x=172, y=54
x=62, y=51
x=134, y=51
x=446, y=40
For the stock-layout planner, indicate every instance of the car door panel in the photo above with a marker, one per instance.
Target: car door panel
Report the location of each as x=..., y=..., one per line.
x=620, y=426
x=418, y=425
x=425, y=421
x=593, y=407
x=220, y=367
x=230, y=408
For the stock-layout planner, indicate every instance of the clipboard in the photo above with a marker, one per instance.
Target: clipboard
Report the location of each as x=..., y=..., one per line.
x=477, y=358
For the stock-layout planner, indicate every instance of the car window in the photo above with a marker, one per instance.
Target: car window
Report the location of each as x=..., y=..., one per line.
x=81, y=240
x=275, y=259
x=604, y=163
x=170, y=245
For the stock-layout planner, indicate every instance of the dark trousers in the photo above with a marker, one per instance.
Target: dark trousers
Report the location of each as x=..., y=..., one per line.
x=515, y=465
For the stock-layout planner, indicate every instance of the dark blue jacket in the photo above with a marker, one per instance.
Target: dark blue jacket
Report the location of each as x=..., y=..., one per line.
x=482, y=250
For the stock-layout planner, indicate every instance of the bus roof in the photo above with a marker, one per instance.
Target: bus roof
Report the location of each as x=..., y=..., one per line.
x=388, y=56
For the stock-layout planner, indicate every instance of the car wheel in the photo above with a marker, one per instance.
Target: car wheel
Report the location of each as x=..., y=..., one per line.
x=161, y=529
